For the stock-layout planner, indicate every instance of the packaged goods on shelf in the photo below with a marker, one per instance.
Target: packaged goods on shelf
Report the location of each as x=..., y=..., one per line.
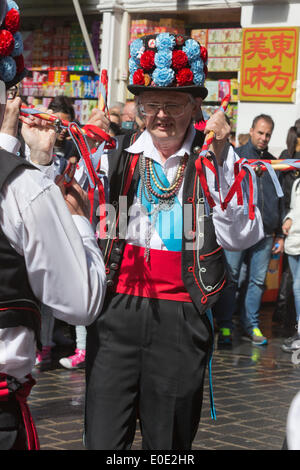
x=213, y=90
x=200, y=35
x=224, y=64
x=231, y=112
x=234, y=89
x=222, y=35
x=55, y=83
x=55, y=44
x=223, y=89
x=83, y=109
x=224, y=49
x=143, y=27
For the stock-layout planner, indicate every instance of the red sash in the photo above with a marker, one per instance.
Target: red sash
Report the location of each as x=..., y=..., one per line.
x=160, y=278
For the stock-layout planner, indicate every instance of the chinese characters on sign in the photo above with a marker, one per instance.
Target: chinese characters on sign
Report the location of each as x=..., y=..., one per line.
x=269, y=64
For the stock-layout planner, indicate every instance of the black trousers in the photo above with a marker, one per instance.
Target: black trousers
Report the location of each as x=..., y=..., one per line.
x=12, y=432
x=146, y=359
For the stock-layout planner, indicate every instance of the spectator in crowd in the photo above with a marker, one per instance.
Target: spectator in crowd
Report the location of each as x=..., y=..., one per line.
x=291, y=228
x=258, y=256
x=284, y=312
x=115, y=112
x=64, y=148
x=131, y=119
x=243, y=139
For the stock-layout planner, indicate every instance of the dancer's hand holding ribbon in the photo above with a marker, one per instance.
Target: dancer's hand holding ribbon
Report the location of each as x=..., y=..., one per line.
x=11, y=117
x=218, y=130
x=75, y=197
x=40, y=137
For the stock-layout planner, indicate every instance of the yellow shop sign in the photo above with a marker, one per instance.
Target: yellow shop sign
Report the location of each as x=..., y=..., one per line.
x=269, y=64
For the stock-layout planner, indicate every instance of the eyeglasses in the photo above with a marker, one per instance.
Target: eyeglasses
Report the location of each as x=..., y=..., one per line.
x=171, y=109
x=12, y=92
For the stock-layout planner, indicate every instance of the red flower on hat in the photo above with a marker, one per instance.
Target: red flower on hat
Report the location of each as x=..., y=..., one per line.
x=147, y=60
x=184, y=77
x=19, y=63
x=179, y=60
x=138, y=77
x=205, y=70
x=12, y=21
x=203, y=53
x=7, y=42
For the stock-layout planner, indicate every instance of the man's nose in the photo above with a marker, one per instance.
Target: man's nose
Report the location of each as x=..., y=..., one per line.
x=161, y=111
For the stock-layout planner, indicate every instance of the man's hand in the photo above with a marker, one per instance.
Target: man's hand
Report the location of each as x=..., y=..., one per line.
x=76, y=198
x=278, y=245
x=11, y=117
x=218, y=124
x=286, y=226
x=40, y=137
x=98, y=118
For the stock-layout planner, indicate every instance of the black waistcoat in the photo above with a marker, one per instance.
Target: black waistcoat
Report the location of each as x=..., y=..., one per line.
x=203, y=267
x=18, y=304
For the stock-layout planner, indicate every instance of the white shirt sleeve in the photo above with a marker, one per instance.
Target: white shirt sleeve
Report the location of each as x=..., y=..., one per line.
x=234, y=230
x=64, y=264
x=9, y=143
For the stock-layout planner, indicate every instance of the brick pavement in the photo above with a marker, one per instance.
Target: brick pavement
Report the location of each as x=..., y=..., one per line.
x=253, y=388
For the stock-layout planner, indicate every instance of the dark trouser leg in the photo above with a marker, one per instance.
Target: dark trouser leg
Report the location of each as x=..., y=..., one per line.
x=174, y=364
x=12, y=433
x=113, y=373
x=150, y=356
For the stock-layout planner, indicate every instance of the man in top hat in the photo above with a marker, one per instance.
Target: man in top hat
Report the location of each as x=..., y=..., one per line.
x=148, y=350
x=48, y=251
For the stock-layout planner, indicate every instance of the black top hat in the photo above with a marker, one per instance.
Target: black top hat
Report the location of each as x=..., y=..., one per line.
x=168, y=62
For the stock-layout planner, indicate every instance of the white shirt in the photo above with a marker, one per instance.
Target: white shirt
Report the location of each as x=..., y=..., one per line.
x=234, y=230
x=64, y=264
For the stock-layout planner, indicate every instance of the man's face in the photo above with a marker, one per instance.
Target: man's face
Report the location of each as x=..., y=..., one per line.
x=261, y=134
x=63, y=134
x=166, y=125
x=129, y=112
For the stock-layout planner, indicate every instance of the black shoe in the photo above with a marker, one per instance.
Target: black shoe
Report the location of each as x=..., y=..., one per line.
x=291, y=344
x=225, y=337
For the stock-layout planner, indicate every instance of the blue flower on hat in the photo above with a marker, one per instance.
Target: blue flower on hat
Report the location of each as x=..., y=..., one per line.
x=197, y=69
x=136, y=49
x=165, y=41
x=11, y=4
x=8, y=69
x=132, y=65
x=192, y=50
x=199, y=76
x=163, y=59
x=163, y=77
x=18, y=48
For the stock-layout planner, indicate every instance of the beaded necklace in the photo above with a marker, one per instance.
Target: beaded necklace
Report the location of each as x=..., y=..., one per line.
x=165, y=200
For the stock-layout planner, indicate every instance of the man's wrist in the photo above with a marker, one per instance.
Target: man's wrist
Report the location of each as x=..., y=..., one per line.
x=41, y=158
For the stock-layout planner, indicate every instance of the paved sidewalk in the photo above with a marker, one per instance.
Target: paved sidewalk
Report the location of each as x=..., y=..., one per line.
x=253, y=389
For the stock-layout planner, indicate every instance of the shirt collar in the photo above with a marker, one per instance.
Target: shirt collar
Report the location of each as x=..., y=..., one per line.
x=144, y=144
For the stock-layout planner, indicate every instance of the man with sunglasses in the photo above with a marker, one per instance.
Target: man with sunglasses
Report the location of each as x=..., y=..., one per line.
x=148, y=350
x=48, y=253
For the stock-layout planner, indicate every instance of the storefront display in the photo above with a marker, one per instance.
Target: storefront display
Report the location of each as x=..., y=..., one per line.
x=59, y=64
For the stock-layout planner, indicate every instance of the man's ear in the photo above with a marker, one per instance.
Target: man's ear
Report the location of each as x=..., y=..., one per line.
x=3, y=7
x=2, y=101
